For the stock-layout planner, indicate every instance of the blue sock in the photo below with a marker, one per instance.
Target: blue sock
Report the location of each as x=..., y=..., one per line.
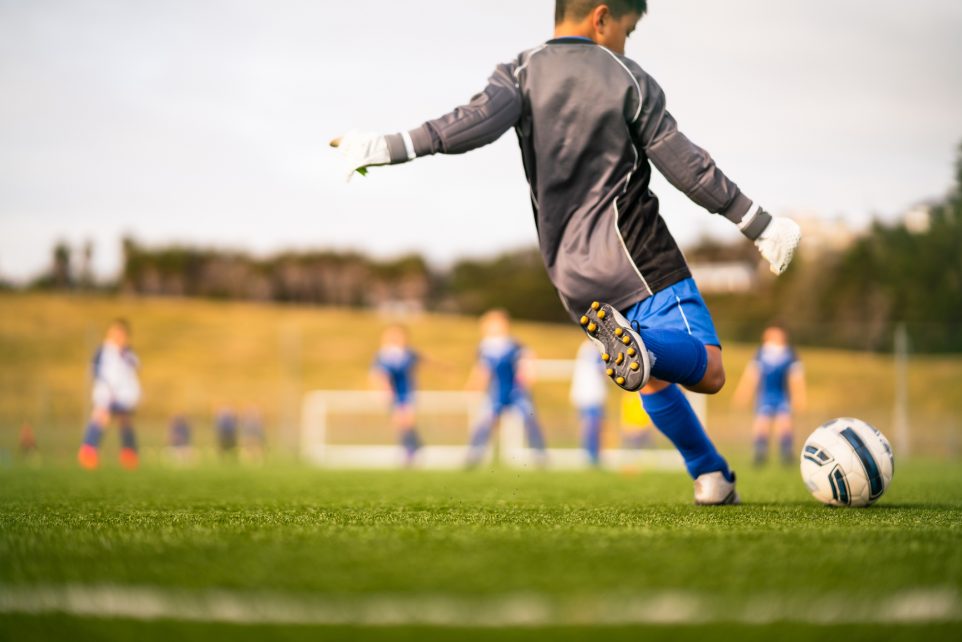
x=482, y=433
x=679, y=357
x=786, y=447
x=592, y=436
x=761, y=449
x=531, y=427
x=93, y=435
x=410, y=440
x=127, y=438
x=674, y=417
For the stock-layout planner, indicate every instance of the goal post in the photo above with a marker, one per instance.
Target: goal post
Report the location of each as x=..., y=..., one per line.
x=457, y=413
x=320, y=405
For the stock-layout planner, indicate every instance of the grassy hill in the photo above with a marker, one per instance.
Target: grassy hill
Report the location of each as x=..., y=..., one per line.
x=198, y=355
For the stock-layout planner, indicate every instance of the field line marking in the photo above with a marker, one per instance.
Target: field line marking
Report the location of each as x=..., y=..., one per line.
x=513, y=610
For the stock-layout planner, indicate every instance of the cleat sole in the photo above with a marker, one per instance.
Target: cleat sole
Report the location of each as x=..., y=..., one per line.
x=611, y=333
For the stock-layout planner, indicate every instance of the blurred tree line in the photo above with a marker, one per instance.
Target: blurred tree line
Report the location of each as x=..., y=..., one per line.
x=894, y=274
x=854, y=298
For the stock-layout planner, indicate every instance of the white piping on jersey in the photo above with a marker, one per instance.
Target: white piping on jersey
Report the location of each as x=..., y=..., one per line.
x=517, y=72
x=749, y=217
x=682, y=310
x=630, y=75
x=408, y=145
x=618, y=219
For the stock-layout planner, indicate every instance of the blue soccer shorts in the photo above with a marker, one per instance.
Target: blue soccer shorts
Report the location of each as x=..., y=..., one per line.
x=677, y=307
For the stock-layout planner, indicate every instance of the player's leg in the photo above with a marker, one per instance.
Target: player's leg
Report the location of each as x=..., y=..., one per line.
x=761, y=433
x=89, y=455
x=481, y=435
x=784, y=427
x=684, y=349
x=404, y=422
x=532, y=428
x=129, y=455
x=591, y=419
x=669, y=336
x=673, y=415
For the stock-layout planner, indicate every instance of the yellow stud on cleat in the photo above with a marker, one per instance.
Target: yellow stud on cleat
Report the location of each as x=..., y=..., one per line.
x=606, y=357
x=620, y=381
x=634, y=366
x=585, y=320
x=601, y=314
x=595, y=306
x=632, y=352
x=592, y=328
x=620, y=360
x=619, y=332
x=610, y=372
x=626, y=340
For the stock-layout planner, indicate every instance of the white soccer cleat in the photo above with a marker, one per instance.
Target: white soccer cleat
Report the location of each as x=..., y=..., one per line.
x=626, y=358
x=712, y=489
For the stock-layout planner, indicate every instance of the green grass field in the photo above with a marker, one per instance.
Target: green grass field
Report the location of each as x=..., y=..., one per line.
x=293, y=553
x=282, y=551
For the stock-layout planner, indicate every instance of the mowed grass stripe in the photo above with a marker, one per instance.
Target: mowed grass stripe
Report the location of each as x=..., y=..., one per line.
x=519, y=610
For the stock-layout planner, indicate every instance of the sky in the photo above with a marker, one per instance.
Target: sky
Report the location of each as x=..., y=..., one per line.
x=207, y=121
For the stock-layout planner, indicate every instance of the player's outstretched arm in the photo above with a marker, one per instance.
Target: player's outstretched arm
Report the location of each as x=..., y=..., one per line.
x=798, y=389
x=693, y=171
x=478, y=379
x=482, y=121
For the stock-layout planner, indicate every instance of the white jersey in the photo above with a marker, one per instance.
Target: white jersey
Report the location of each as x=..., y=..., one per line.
x=589, y=386
x=115, y=378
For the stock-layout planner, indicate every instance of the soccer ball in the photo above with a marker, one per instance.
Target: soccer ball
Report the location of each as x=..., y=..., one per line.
x=847, y=462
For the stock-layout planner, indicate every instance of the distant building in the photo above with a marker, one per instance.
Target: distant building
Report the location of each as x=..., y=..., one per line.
x=918, y=218
x=729, y=277
x=821, y=235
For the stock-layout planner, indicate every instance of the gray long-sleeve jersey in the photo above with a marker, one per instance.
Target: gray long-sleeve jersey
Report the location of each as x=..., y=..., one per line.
x=589, y=123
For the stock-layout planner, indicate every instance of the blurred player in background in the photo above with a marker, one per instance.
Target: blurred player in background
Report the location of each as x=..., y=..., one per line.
x=116, y=393
x=636, y=425
x=225, y=425
x=179, y=440
x=777, y=380
x=504, y=367
x=393, y=371
x=253, y=436
x=589, y=391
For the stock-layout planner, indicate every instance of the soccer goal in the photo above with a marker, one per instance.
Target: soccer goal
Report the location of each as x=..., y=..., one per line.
x=350, y=429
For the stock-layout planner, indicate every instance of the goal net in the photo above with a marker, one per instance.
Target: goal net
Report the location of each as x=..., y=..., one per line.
x=352, y=429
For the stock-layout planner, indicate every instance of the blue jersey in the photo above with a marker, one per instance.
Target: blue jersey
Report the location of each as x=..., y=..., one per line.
x=501, y=357
x=774, y=367
x=398, y=366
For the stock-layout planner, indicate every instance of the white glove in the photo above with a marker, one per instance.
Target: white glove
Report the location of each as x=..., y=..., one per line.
x=360, y=150
x=778, y=243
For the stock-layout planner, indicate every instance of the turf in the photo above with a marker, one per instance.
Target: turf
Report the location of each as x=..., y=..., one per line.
x=300, y=532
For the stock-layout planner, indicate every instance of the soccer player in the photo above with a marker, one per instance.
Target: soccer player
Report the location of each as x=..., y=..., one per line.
x=588, y=394
x=179, y=438
x=504, y=367
x=225, y=426
x=393, y=371
x=116, y=393
x=776, y=377
x=590, y=123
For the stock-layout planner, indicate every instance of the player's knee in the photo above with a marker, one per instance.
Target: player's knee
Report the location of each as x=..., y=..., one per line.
x=713, y=382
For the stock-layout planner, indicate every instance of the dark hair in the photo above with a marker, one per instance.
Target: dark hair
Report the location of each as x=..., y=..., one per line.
x=578, y=9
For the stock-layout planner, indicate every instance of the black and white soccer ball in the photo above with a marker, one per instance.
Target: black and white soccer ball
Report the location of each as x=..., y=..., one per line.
x=847, y=462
